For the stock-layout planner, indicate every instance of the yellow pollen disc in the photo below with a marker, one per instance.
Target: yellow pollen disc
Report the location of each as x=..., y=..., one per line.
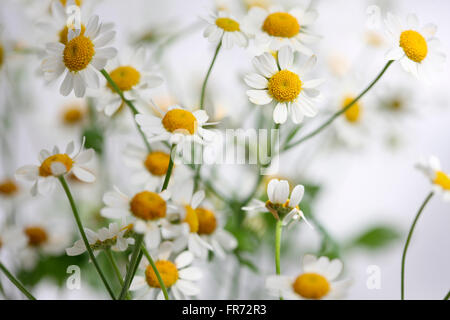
x=157, y=163
x=36, y=236
x=72, y=115
x=65, y=32
x=281, y=24
x=45, y=169
x=442, y=180
x=148, y=205
x=126, y=77
x=78, y=53
x=285, y=86
x=311, y=285
x=414, y=45
x=227, y=24
x=179, y=120
x=1, y=55
x=191, y=219
x=8, y=187
x=353, y=114
x=167, y=270
x=207, y=221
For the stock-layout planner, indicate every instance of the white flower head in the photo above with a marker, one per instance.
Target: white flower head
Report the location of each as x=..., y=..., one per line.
x=440, y=180
x=224, y=28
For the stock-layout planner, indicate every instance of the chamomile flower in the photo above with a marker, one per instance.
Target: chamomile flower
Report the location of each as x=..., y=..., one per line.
x=224, y=28
x=178, y=276
x=133, y=75
x=148, y=209
x=415, y=47
x=54, y=164
x=275, y=27
x=278, y=83
x=280, y=205
x=440, y=180
x=79, y=60
x=317, y=281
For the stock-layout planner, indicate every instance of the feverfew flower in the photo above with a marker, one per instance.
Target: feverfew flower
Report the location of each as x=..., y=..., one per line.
x=224, y=28
x=431, y=167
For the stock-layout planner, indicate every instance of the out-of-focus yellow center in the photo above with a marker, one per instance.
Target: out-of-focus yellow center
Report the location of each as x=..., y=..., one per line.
x=72, y=115
x=285, y=86
x=352, y=114
x=414, y=45
x=167, y=270
x=281, y=24
x=207, y=221
x=157, y=163
x=180, y=120
x=78, y=53
x=311, y=285
x=148, y=205
x=8, y=187
x=442, y=180
x=227, y=24
x=36, y=236
x=191, y=219
x=1, y=55
x=77, y=2
x=63, y=34
x=126, y=77
x=45, y=169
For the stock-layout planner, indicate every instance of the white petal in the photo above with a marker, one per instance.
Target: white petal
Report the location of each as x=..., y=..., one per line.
x=256, y=81
x=281, y=192
x=280, y=113
x=184, y=259
x=67, y=85
x=296, y=195
x=191, y=273
x=285, y=57
x=259, y=97
x=187, y=287
x=83, y=174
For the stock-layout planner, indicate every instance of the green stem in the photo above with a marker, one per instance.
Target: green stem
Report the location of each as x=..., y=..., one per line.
x=278, y=229
x=83, y=234
x=116, y=270
x=152, y=263
x=202, y=95
x=169, y=170
x=447, y=296
x=129, y=104
x=16, y=282
x=342, y=111
x=132, y=266
x=408, y=239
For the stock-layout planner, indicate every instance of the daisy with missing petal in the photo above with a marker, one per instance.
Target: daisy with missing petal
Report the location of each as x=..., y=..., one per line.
x=178, y=275
x=280, y=205
x=133, y=75
x=431, y=167
x=275, y=27
x=148, y=209
x=317, y=281
x=415, y=47
x=79, y=59
x=54, y=164
x=224, y=28
x=278, y=83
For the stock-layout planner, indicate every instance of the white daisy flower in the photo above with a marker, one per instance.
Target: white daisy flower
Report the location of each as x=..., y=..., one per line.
x=81, y=58
x=133, y=75
x=224, y=28
x=415, y=47
x=148, y=209
x=431, y=167
x=278, y=83
x=280, y=205
x=275, y=27
x=54, y=164
x=178, y=275
x=317, y=281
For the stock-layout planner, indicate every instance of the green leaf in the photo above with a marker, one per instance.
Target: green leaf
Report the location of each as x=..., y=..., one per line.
x=376, y=237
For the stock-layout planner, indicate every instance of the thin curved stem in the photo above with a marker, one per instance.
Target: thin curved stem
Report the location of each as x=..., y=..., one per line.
x=169, y=170
x=152, y=263
x=16, y=282
x=132, y=266
x=408, y=239
x=116, y=270
x=338, y=113
x=129, y=104
x=83, y=234
x=202, y=95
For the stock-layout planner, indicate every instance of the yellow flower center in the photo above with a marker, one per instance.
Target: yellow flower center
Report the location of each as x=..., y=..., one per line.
x=78, y=53
x=63, y=34
x=126, y=77
x=1, y=56
x=167, y=270
x=311, y=285
x=77, y=2
x=72, y=115
x=281, y=24
x=442, y=179
x=396, y=104
x=414, y=45
x=207, y=221
x=157, y=163
x=45, y=169
x=191, y=219
x=227, y=24
x=352, y=114
x=8, y=187
x=285, y=86
x=180, y=120
x=148, y=205
x=36, y=236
